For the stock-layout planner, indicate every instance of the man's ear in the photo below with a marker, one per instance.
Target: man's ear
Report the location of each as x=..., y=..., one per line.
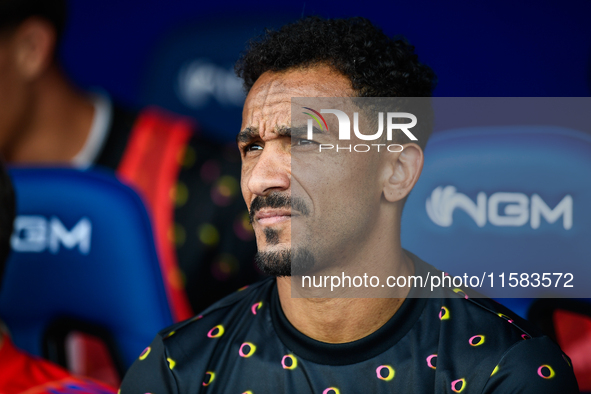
x=34, y=43
x=403, y=171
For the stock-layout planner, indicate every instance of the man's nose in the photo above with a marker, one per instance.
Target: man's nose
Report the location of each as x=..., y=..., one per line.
x=272, y=171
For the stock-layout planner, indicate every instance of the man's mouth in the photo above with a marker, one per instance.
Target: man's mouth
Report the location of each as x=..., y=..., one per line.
x=270, y=216
x=275, y=208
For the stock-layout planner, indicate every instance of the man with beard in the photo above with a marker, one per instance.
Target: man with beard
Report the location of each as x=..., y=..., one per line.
x=319, y=210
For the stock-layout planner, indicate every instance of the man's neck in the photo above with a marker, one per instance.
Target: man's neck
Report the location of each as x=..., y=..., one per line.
x=341, y=320
x=60, y=119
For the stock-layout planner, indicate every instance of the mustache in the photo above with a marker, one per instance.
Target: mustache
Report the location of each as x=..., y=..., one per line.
x=277, y=200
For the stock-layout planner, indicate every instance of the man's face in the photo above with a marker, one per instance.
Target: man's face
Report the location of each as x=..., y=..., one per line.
x=315, y=205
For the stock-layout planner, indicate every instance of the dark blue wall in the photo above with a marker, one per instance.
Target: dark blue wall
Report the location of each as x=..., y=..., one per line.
x=493, y=48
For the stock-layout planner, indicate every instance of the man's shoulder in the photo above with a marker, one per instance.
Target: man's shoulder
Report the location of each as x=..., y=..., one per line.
x=184, y=353
x=460, y=306
x=467, y=310
x=230, y=310
x=485, y=344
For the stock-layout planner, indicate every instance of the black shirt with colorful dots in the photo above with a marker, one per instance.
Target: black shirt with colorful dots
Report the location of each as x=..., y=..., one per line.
x=441, y=344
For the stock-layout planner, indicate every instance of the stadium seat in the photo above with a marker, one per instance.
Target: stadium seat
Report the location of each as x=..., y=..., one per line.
x=83, y=265
x=512, y=199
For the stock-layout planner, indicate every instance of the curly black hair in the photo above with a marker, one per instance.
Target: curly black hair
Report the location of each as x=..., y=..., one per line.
x=377, y=65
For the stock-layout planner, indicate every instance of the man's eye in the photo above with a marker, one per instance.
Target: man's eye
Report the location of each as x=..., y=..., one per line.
x=302, y=142
x=252, y=147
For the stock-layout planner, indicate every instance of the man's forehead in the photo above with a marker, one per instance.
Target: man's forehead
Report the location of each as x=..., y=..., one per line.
x=268, y=104
x=317, y=81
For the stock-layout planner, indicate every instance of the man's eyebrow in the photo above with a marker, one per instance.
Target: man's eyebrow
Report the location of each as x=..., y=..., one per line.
x=283, y=131
x=248, y=134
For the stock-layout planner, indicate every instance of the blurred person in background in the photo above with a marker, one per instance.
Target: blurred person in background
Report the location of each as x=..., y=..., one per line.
x=19, y=371
x=190, y=185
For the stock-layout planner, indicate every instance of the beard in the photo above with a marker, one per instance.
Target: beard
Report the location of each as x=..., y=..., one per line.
x=286, y=262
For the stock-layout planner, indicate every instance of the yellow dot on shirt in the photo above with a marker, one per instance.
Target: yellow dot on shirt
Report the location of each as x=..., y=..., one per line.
x=289, y=362
x=247, y=349
x=171, y=363
x=565, y=359
x=208, y=234
x=495, y=370
x=546, y=372
x=145, y=353
x=210, y=379
x=444, y=313
x=216, y=332
x=390, y=372
x=457, y=386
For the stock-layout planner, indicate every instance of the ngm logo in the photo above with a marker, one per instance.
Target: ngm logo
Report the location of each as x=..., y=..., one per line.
x=34, y=233
x=202, y=80
x=345, y=129
x=500, y=209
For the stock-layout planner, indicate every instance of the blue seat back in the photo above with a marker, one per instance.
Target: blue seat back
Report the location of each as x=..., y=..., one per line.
x=82, y=249
x=505, y=199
